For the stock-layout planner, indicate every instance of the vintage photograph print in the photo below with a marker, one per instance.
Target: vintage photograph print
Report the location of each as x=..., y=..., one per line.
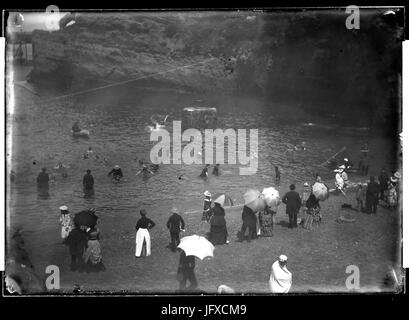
x=204, y=152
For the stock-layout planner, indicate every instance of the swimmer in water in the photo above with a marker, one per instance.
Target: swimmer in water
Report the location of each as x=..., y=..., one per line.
x=144, y=171
x=205, y=173
x=116, y=173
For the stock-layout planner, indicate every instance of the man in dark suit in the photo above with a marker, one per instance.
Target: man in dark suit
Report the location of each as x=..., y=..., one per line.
x=293, y=201
x=175, y=224
x=372, y=196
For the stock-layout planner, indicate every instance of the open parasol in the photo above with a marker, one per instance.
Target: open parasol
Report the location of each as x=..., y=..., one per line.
x=197, y=246
x=85, y=218
x=320, y=191
x=271, y=196
x=223, y=199
x=254, y=199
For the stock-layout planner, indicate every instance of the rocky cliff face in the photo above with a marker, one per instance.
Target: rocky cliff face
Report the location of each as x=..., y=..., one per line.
x=305, y=58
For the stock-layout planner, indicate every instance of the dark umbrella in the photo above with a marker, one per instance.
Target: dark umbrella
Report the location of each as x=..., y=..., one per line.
x=86, y=218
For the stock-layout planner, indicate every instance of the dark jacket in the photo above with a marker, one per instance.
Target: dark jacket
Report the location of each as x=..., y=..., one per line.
x=186, y=262
x=88, y=181
x=249, y=217
x=144, y=223
x=383, y=180
x=77, y=241
x=116, y=173
x=175, y=223
x=293, y=201
x=372, y=191
x=43, y=179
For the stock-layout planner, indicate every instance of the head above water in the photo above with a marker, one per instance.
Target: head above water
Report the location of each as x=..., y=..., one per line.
x=292, y=186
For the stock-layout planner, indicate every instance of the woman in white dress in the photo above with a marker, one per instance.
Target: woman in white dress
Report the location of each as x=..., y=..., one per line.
x=65, y=222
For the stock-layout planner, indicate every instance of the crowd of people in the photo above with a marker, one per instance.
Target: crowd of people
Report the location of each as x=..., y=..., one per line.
x=85, y=248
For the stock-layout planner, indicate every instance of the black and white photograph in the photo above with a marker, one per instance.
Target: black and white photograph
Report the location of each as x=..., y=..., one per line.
x=188, y=152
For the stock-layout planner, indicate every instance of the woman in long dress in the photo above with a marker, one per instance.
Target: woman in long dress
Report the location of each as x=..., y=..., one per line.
x=266, y=219
x=218, y=229
x=143, y=239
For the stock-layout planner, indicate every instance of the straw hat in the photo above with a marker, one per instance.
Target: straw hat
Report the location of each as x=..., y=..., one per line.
x=174, y=210
x=207, y=194
x=64, y=208
x=116, y=166
x=282, y=258
x=397, y=175
x=394, y=180
x=306, y=184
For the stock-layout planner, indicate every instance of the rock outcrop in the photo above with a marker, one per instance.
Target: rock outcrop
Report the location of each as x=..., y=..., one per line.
x=300, y=58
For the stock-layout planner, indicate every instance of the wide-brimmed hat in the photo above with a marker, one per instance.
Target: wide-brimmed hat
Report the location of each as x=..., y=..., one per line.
x=397, y=175
x=346, y=159
x=64, y=208
x=174, y=210
x=282, y=258
x=394, y=180
x=306, y=184
x=207, y=194
x=341, y=167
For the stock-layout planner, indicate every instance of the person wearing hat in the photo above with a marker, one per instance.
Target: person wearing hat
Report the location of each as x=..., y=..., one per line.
x=204, y=173
x=207, y=206
x=88, y=182
x=293, y=204
x=175, y=224
x=116, y=173
x=218, y=229
x=280, y=278
x=93, y=253
x=344, y=175
x=65, y=222
x=249, y=225
x=43, y=178
x=372, y=196
x=305, y=194
x=143, y=238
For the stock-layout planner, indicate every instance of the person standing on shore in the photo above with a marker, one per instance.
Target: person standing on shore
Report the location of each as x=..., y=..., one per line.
x=143, y=238
x=293, y=204
x=207, y=206
x=383, y=184
x=372, y=196
x=175, y=224
x=77, y=243
x=186, y=272
x=65, y=222
x=249, y=224
x=280, y=278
